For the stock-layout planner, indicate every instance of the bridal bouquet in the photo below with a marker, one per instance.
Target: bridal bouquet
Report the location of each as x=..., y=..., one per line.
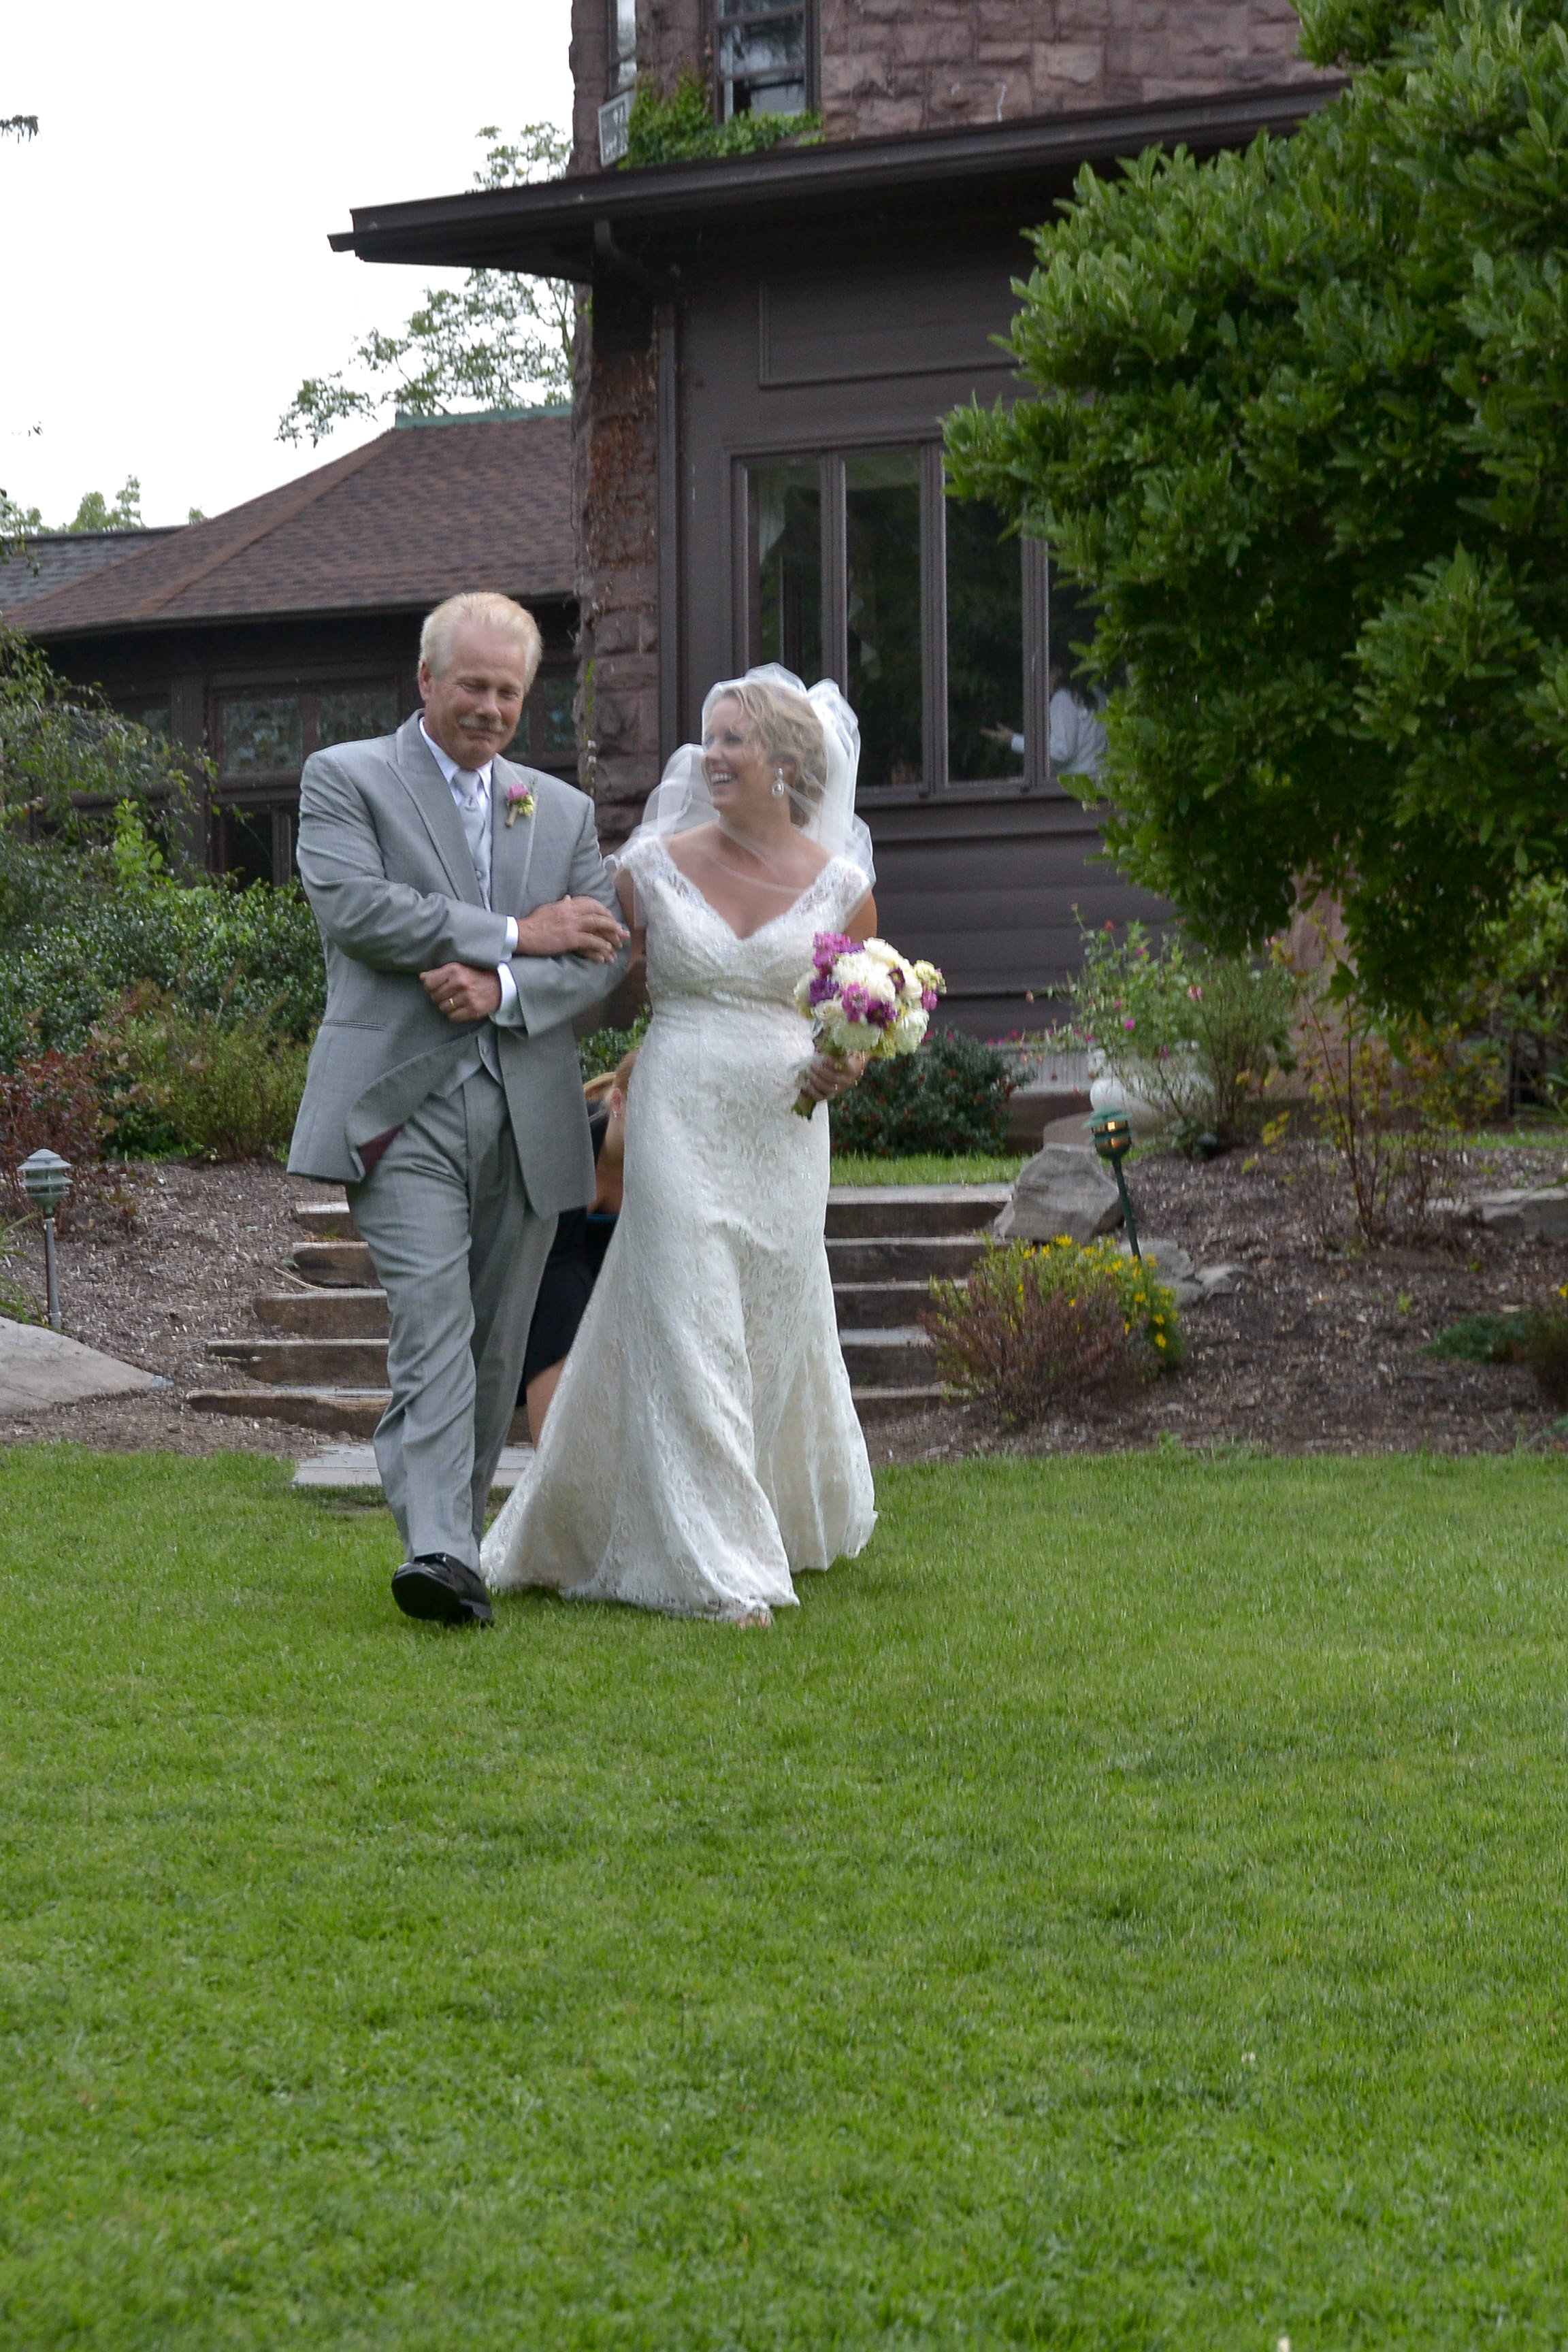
x=864, y=997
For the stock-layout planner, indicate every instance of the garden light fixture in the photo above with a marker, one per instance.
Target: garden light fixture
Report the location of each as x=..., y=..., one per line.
x=1113, y=1132
x=45, y=1180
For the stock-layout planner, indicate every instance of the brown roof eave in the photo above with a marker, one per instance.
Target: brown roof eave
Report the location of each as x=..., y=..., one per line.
x=551, y=228
x=248, y=617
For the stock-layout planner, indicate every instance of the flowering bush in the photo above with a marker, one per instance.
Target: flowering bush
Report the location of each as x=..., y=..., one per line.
x=1040, y=1322
x=1196, y=1034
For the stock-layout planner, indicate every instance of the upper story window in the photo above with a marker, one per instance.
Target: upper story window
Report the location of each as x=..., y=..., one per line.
x=762, y=57
x=622, y=44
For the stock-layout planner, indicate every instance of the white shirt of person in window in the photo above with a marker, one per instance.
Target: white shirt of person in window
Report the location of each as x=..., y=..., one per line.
x=1076, y=741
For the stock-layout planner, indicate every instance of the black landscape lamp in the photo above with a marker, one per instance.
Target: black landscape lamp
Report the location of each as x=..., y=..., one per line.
x=46, y=1179
x=1113, y=1132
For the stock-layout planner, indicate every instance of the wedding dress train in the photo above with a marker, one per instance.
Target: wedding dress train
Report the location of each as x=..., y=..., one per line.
x=702, y=1446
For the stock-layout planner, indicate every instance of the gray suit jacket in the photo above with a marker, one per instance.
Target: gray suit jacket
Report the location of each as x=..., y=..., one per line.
x=386, y=869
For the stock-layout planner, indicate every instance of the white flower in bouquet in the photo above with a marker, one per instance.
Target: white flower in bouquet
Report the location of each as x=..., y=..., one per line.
x=865, y=999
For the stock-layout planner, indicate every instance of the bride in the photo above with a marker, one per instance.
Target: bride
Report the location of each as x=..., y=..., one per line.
x=702, y=1445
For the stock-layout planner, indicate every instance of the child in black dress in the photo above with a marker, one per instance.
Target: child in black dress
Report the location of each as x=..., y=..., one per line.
x=582, y=1237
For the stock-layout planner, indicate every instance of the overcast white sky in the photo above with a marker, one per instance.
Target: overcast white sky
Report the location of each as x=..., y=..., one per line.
x=168, y=282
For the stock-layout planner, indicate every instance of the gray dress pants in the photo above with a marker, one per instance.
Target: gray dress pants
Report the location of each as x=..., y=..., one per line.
x=459, y=1253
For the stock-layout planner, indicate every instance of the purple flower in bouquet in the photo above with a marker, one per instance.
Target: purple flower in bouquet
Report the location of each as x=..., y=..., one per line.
x=863, y=998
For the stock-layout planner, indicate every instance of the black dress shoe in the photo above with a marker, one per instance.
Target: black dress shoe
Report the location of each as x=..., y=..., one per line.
x=438, y=1586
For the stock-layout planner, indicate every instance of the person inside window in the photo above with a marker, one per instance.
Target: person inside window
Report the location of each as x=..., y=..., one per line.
x=1076, y=743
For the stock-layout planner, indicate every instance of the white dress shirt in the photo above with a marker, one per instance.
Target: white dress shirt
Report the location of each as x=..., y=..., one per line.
x=508, y=1013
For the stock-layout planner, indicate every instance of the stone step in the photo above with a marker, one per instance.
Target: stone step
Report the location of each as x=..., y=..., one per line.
x=910, y=1259
x=339, y=1412
x=330, y=1220
x=347, y=1412
x=857, y=1210
x=303, y=1319
x=334, y=1266
x=884, y=1404
x=325, y=1314
x=885, y=1257
x=306, y=1363
x=880, y=1305
x=896, y=1358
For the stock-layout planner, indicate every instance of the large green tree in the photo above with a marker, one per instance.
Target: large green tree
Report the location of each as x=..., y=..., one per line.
x=496, y=342
x=1302, y=428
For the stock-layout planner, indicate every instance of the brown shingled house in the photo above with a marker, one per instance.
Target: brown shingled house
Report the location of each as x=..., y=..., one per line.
x=293, y=621
x=774, y=340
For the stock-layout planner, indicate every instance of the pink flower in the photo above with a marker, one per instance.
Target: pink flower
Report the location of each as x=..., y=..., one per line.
x=1128, y=1022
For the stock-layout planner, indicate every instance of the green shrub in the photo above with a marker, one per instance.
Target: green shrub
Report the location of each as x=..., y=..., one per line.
x=249, y=953
x=602, y=1049
x=198, y=1083
x=949, y=1098
x=1195, y=1034
x=1539, y=1339
x=680, y=128
x=1482, y=1339
x=1039, y=1322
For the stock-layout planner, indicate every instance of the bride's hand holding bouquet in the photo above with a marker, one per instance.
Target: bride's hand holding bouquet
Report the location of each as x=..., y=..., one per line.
x=865, y=1003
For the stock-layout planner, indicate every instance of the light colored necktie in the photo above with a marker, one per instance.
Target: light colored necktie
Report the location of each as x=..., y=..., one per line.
x=475, y=813
x=475, y=816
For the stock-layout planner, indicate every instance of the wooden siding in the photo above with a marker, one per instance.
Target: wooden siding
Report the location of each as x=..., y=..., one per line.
x=864, y=352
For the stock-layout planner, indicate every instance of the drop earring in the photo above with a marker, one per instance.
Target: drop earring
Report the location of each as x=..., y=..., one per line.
x=780, y=787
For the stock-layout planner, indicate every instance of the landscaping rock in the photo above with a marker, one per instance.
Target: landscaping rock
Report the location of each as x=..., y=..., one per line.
x=1539, y=1214
x=1062, y=1190
x=1168, y=1259
x=1173, y=1266
x=40, y=1368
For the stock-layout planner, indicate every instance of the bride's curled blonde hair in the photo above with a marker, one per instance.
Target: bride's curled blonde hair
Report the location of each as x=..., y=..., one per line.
x=789, y=735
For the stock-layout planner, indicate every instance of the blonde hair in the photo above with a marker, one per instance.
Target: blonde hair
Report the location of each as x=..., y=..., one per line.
x=610, y=1082
x=789, y=734
x=493, y=612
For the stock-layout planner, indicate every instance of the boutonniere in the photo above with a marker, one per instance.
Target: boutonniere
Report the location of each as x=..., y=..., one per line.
x=519, y=803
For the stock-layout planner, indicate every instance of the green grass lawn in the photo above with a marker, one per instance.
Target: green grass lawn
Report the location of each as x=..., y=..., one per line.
x=1125, y=1910
x=926, y=1168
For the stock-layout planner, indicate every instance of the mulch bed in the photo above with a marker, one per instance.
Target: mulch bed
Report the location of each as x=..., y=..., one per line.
x=1315, y=1352
x=185, y=1270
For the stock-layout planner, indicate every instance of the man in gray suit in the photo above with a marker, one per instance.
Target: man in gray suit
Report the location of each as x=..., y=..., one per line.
x=466, y=915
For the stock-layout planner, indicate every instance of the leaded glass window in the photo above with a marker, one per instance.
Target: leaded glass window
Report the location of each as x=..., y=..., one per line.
x=353, y=714
x=263, y=735
x=559, y=730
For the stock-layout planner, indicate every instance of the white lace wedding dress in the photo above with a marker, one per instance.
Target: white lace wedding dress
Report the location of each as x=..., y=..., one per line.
x=702, y=1445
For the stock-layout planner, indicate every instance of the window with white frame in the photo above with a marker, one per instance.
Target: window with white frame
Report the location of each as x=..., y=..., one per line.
x=932, y=618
